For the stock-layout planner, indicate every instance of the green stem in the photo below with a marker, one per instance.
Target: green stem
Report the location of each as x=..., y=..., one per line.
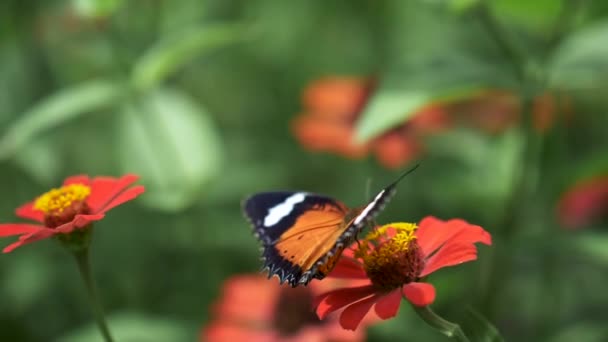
x=445, y=327
x=84, y=266
x=513, y=52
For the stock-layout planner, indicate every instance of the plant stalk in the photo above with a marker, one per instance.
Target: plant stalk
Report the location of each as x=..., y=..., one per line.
x=84, y=266
x=445, y=327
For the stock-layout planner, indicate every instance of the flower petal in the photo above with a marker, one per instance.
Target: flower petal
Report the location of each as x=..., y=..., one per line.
x=337, y=299
x=27, y=211
x=584, y=202
x=229, y=331
x=432, y=233
x=346, y=268
x=248, y=298
x=126, y=196
x=78, y=179
x=419, y=294
x=388, y=305
x=354, y=314
x=106, y=189
x=79, y=221
x=450, y=255
x=41, y=234
x=11, y=229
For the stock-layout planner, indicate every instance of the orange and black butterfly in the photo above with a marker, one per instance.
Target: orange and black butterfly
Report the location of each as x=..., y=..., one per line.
x=304, y=234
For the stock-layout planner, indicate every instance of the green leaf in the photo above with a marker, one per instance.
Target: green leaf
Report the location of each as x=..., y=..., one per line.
x=40, y=158
x=593, y=245
x=534, y=15
x=172, y=143
x=170, y=54
x=96, y=8
x=404, y=92
x=460, y=6
x=582, y=331
x=580, y=61
x=133, y=327
x=23, y=289
x=61, y=107
x=483, y=169
x=479, y=329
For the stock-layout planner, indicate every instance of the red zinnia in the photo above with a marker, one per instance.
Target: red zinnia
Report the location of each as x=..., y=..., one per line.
x=75, y=205
x=334, y=104
x=394, y=259
x=253, y=308
x=584, y=202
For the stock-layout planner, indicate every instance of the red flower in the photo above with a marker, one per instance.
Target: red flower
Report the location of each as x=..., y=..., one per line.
x=253, y=308
x=495, y=111
x=75, y=205
x=395, y=259
x=403, y=144
x=584, y=202
x=332, y=107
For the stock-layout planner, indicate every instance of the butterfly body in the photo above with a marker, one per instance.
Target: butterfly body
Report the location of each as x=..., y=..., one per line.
x=303, y=234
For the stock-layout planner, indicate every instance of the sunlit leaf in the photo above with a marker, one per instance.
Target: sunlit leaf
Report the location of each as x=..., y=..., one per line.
x=404, y=92
x=580, y=61
x=57, y=109
x=96, y=8
x=133, y=327
x=593, y=245
x=460, y=6
x=539, y=14
x=172, y=143
x=172, y=53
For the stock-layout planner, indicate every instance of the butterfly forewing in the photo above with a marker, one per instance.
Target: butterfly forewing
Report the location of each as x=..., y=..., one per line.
x=294, y=228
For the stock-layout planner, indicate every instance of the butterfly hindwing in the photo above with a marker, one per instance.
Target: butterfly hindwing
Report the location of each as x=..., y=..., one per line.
x=293, y=228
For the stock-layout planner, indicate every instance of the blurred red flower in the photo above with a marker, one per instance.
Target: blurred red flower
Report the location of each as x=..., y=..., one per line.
x=394, y=260
x=332, y=107
x=584, y=202
x=253, y=308
x=496, y=111
x=75, y=205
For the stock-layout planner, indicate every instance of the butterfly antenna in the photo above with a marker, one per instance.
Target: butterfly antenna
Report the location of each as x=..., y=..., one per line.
x=403, y=176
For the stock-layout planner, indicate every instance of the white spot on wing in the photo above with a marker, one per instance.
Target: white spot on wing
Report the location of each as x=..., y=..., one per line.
x=368, y=208
x=276, y=213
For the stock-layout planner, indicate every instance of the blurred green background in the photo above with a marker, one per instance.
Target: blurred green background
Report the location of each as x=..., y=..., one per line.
x=197, y=97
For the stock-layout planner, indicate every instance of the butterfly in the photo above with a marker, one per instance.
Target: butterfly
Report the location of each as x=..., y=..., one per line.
x=303, y=234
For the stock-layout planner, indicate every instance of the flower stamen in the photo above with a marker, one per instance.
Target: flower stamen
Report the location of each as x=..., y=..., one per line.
x=391, y=256
x=60, y=205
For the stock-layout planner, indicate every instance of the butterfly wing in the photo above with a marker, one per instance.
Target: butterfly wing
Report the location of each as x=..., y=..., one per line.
x=303, y=234
x=296, y=230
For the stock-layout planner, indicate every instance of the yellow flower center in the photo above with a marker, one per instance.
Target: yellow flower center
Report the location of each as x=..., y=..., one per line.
x=391, y=261
x=61, y=205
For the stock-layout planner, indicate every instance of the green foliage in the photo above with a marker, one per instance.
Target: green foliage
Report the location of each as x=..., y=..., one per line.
x=171, y=142
x=480, y=329
x=57, y=109
x=132, y=327
x=580, y=62
x=167, y=56
x=198, y=98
